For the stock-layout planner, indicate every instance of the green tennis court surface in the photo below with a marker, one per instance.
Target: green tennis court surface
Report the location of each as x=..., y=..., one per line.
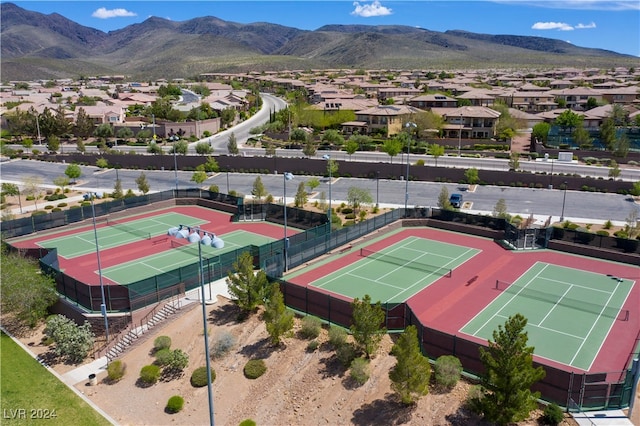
x=179, y=254
x=397, y=272
x=117, y=233
x=569, y=311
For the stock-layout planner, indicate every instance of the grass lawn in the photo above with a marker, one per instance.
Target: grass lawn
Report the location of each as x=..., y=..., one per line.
x=30, y=394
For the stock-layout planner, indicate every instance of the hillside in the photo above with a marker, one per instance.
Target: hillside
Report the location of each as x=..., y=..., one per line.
x=39, y=46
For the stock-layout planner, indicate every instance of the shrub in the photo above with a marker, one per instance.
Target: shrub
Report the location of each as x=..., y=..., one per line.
x=149, y=374
x=313, y=345
x=247, y=422
x=337, y=336
x=347, y=210
x=311, y=327
x=62, y=205
x=447, y=370
x=350, y=216
x=254, y=368
x=175, y=404
x=162, y=342
x=602, y=232
x=163, y=357
x=199, y=377
x=214, y=188
x=359, y=370
x=115, y=370
x=346, y=354
x=222, y=344
x=48, y=207
x=56, y=209
x=552, y=415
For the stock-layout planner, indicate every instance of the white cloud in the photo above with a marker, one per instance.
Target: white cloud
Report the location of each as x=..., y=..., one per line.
x=585, y=26
x=104, y=13
x=560, y=26
x=611, y=5
x=370, y=10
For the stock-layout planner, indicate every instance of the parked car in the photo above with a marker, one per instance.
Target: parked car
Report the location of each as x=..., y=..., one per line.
x=456, y=200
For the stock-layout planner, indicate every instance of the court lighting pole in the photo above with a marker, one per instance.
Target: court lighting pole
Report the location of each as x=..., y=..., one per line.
x=174, y=139
x=409, y=126
x=212, y=240
x=227, y=180
x=103, y=306
x=327, y=157
x=286, y=176
x=564, y=199
x=377, y=188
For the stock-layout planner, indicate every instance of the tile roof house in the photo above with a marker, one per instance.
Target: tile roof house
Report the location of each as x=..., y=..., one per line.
x=387, y=119
x=470, y=122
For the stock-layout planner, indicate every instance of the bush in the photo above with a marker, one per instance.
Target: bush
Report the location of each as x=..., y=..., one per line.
x=161, y=342
x=254, y=368
x=175, y=404
x=199, y=377
x=48, y=207
x=163, y=357
x=359, y=370
x=149, y=374
x=247, y=422
x=115, y=370
x=313, y=345
x=62, y=205
x=447, y=370
x=337, y=336
x=222, y=344
x=346, y=354
x=56, y=209
x=602, y=232
x=553, y=415
x=311, y=327
x=347, y=210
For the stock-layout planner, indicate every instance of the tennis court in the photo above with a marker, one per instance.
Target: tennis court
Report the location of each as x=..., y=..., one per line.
x=117, y=233
x=180, y=253
x=397, y=272
x=570, y=312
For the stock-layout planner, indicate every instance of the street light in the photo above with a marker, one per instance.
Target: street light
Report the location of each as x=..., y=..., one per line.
x=409, y=125
x=286, y=176
x=564, y=199
x=174, y=139
x=103, y=306
x=330, y=167
x=227, y=180
x=377, y=188
x=460, y=135
x=192, y=234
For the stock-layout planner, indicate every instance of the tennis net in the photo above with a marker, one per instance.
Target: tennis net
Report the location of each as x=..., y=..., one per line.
x=554, y=299
x=129, y=229
x=407, y=263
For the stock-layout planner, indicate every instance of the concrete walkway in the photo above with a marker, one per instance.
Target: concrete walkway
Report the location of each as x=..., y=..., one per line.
x=602, y=418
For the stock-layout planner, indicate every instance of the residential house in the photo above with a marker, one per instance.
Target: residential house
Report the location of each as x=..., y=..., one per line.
x=478, y=98
x=470, y=122
x=426, y=102
x=387, y=119
x=576, y=98
x=622, y=95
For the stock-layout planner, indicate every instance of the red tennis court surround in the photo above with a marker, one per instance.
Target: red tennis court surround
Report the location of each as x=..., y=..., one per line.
x=449, y=303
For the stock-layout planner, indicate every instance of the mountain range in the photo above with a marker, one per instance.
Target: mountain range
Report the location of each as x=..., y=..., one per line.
x=39, y=46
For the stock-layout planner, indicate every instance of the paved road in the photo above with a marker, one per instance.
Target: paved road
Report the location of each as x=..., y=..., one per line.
x=523, y=201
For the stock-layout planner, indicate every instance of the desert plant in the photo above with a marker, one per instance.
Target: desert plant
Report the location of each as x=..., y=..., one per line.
x=552, y=415
x=149, y=374
x=222, y=344
x=247, y=422
x=359, y=370
x=311, y=327
x=199, y=377
x=313, y=345
x=163, y=357
x=254, y=368
x=346, y=353
x=175, y=404
x=447, y=370
x=162, y=342
x=115, y=370
x=337, y=336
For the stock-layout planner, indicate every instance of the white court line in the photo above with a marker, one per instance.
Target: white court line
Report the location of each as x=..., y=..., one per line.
x=575, y=285
x=555, y=305
x=547, y=329
x=373, y=281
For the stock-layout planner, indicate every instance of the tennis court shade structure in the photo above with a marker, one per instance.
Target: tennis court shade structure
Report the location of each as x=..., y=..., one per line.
x=570, y=312
x=398, y=271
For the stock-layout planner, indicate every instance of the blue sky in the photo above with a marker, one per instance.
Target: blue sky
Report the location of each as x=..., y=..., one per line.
x=611, y=25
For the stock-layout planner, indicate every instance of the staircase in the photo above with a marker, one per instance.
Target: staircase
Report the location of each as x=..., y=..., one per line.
x=153, y=318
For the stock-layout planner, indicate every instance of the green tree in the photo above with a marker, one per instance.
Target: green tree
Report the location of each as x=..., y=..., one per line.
x=72, y=342
x=540, y=132
x=471, y=176
x=367, y=328
x=204, y=148
x=310, y=148
x=26, y=293
x=278, y=320
x=33, y=188
x=582, y=137
x=143, y=183
x=103, y=131
x=500, y=209
x=509, y=374
x=227, y=116
x=53, y=143
x=102, y=163
x=443, y=199
x=61, y=182
x=351, y=146
x=514, y=161
x=117, y=190
x=232, y=144
x=199, y=176
x=313, y=183
x=84, y=126
x=614, y=169
x=246, y=288
x=124, y=133
x=180, y=147
x=12, y=190
x=80, y=146
x=568, y=120
x=436, y=151
x=258, y=190
x=621, y=146
x=333, y=138
x=299, y=135
x=410, y=376
x=73, y=172
x=356, y=196
x=392, y=147
x=301, y=196
x=154, y=148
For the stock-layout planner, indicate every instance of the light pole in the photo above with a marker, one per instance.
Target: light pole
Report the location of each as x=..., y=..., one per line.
x=286, y=176
x=103, y=306
x=227, y=180
x=377, y=188
x=330, y=167
x=174, y=139
x=564, y=199
x=460, y=135
x=409, y=126
x=213, y=241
